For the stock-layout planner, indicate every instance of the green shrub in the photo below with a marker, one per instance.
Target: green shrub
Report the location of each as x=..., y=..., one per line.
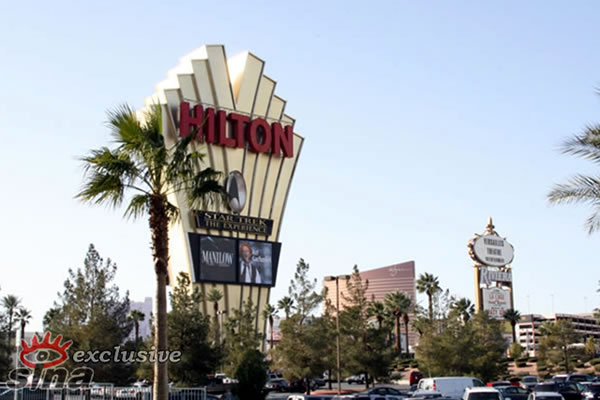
x=533, y=359
x=251, y=375
x=594, y=361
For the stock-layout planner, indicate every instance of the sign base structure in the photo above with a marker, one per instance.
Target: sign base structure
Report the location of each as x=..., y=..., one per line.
x=243, y=132
x=493, y=274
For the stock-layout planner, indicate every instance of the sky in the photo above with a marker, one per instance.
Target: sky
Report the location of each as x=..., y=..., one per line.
x=421, y=119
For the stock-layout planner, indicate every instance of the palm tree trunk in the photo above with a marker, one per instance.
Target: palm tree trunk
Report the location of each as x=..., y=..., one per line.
x=137, y=333
x=159, y=226
x=429, y=298
x=398, y=335
x=514, y=333
x=406, y=336
x=271, y=323
x=22, y=330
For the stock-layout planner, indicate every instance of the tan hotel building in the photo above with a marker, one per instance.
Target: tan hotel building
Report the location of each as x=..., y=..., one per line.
x=384, y=280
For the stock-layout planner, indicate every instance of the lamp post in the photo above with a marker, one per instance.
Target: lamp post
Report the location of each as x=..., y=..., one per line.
x=337, y=322
x=220, y=315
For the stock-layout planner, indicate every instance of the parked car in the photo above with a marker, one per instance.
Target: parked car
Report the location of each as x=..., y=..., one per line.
x=481, y=393
x=513, y=392
x=560, y=378
x=383, y=391
x=528, y=382
x=309, y=397
x=425, y=395
x=578, y=378
x=545, y=396
x=449, y=386
x=591, y=390
x=277, y=385
x=355, y=379
x=568, y=390
x=414, y=377
x=498, y=383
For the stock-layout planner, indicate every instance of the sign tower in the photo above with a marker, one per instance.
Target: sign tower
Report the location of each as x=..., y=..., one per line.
x=243, y=131
x=493, y=274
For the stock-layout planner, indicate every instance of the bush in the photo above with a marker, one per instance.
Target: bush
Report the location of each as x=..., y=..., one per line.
x=597, y=367
x=521, y=364
x=594, y=361
x=251, y=375
x=533, y=359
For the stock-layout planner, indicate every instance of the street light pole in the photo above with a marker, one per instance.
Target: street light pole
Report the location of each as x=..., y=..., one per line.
x=337, y=323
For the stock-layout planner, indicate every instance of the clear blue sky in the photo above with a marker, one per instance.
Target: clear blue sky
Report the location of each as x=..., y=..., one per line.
x=421, y=119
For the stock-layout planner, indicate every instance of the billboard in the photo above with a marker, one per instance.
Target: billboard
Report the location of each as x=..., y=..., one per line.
x=220, y=259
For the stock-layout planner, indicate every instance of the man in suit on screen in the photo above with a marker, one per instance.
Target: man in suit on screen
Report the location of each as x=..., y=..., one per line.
x=249, y=271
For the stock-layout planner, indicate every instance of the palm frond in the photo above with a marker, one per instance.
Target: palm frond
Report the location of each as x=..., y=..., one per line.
x=592, y=223
x=102, y=188
x=138, y=206
x=586, y=145
x=579, y=189
x=124, y=125
x=204, y=188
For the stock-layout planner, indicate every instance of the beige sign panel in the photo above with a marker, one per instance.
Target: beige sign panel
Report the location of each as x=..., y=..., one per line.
x=238, y=85
x=496, y=301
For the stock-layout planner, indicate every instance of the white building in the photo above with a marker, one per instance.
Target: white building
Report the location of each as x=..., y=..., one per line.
x=528, y=333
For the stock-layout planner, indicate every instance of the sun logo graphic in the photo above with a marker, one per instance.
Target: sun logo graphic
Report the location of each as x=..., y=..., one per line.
x=46, y=353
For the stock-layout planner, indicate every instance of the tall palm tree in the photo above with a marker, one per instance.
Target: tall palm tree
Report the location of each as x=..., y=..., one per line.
x=582, y=188
x=377, y=309
x=137, y=316
x=23, y=315
x=429, y=285
x=270, y=313
x=398, y=304
x=143, y=170
x=463, y=308
x=214, y=296
x=11, y=304
x=286, y=303
x=513, y=316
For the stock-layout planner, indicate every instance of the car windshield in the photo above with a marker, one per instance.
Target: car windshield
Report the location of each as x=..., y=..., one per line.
x=547, y=398
x=549, y=387
x=484, y=396
x=530, y=379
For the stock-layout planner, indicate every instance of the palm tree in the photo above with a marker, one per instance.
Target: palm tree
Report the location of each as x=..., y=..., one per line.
x=137, y=316
x=463, y=308
x=215, y=296
x=398, y=304
x=513, y=316
x=23, y=315
x=270, y=313
x=10, y=303
x=286, y=303
x=430, y=285
x=582, y=188
x=377, y=309
x=143, y=170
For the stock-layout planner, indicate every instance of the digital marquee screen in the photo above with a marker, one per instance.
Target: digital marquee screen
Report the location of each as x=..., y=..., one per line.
x=220, y=259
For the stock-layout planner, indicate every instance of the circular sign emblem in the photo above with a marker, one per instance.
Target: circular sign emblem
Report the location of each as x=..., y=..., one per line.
x=492, y=250
x=236, y=191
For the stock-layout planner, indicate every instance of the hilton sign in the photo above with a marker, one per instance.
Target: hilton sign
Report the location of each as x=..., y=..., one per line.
x=212, y=126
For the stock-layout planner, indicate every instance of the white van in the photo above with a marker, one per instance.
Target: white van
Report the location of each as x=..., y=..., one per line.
x=450, y=386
